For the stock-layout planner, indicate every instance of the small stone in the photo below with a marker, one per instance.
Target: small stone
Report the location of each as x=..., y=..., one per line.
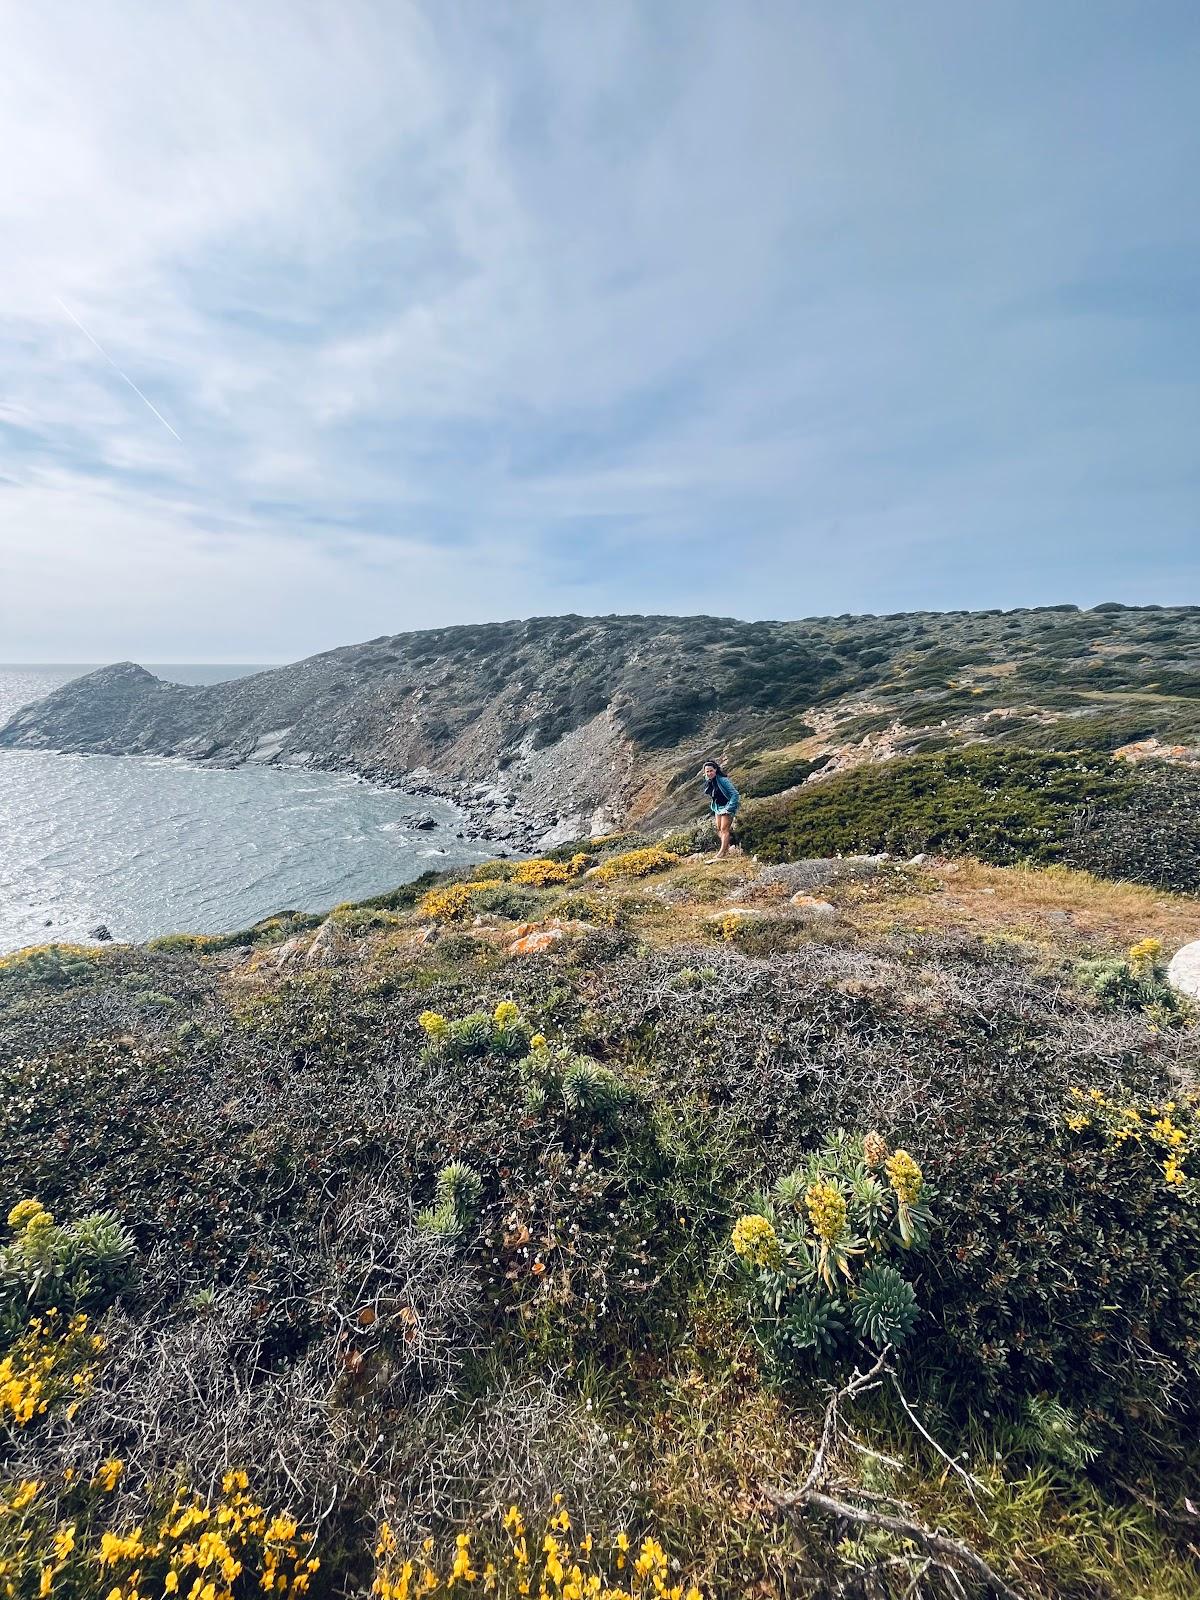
x=100, y=933
x=919, y=859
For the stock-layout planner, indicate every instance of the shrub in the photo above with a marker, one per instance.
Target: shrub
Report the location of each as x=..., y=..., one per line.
x=456, y=1200
x=56, y=964
x=1058, y=1269
x=516, y=905
x=541, y=874
x=66, y=1538
x=779, y=775
x=50, y=1361
x=801, y=1253
x=448, y=903
x=636, y=863
x=504, y=1033
x=554, y=1558
x=1135, y=981
x=1000, y=804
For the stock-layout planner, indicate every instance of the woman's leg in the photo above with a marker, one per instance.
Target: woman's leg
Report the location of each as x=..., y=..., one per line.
x=724, y=823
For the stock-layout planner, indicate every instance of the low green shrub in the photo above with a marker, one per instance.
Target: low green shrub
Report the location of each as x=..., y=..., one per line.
x=68, y=1267
x=1058, y=1266
x=1135, y=981
x=1001, y=804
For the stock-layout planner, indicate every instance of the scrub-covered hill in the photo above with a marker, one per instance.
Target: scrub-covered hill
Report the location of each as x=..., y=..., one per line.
x=524, y=1232
x=574, y=724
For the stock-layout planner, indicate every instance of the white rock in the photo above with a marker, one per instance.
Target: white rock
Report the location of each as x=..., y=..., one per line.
x=1184, y=971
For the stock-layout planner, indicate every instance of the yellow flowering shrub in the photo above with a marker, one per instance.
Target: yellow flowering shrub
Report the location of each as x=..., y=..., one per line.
x=636, y=863
x=451, y=901
x=541, y=874
x=37, y=954
x=51, y=1361
x=64, y=1542
x=552, y=1563
x=1168, y=1130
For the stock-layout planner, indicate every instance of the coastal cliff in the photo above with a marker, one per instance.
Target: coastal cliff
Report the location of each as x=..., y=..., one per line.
x=560, y=726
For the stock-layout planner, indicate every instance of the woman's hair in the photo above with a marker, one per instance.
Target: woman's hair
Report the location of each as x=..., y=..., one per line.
x=709, y=762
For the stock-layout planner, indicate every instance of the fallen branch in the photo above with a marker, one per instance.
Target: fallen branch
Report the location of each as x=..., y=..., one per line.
x=952, y=1555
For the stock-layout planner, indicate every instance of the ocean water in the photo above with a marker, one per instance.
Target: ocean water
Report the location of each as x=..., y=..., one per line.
x=148, y=846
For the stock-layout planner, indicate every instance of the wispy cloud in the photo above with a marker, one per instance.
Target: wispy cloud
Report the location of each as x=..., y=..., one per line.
x=469, y=311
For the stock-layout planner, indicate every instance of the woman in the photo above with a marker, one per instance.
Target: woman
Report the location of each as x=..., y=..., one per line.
x=723, y=801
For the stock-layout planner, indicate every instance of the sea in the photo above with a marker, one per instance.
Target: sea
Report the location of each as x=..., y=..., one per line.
x=144, y=845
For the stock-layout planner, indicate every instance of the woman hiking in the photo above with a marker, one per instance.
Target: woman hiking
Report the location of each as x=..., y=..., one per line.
x=723, y=801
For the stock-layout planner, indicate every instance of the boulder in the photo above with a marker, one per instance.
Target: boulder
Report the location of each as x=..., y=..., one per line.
x=330, y=945
x=100, y=933
x=290, y=952
x=1184, y=972
x=809, y=906
x=536, y=941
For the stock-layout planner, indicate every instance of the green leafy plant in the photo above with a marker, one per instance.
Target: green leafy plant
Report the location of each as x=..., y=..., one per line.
x=456, y=1201
x=75, y=1266
x=811, y=1253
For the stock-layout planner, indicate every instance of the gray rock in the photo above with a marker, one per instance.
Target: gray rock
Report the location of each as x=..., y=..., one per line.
x=330, y=945
x=100, y=933
x=807, y=906
x=1184, y=971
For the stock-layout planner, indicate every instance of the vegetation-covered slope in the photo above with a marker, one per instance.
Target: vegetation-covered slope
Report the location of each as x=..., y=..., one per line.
x=574, y=714
x=531, y=1186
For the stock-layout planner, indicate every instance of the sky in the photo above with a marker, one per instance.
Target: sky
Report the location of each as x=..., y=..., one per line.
x=321, y=321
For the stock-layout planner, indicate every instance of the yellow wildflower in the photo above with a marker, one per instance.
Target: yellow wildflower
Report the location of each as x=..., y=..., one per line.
x=755, y=1241
x=827, y=1211
x=506, y=1013
x=1173, y=1172
x=434, y=1023
x=905, y=1177
x=24, y=1211
x=109, y=1473
x=538, y=1042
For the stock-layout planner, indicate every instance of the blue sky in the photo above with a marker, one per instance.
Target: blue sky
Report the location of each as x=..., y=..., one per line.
x=475, y=310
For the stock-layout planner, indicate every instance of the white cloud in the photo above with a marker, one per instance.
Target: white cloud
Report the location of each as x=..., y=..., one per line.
x=450, y=303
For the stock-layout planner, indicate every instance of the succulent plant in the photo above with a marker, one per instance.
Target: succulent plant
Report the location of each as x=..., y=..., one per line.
x=884, y=1309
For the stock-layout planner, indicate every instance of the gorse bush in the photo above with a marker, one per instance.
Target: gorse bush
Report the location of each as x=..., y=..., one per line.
x=79, y=1265
x=814, y=1255
x=51, y=1361
x=68, y=1539
x=636, y=863
x=553, y=1561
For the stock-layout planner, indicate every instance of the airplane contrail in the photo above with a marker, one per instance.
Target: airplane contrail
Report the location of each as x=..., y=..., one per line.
x=117, y=369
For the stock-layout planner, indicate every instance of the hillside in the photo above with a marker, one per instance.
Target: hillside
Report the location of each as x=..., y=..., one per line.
x=562, y=726
x=513, y=1233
